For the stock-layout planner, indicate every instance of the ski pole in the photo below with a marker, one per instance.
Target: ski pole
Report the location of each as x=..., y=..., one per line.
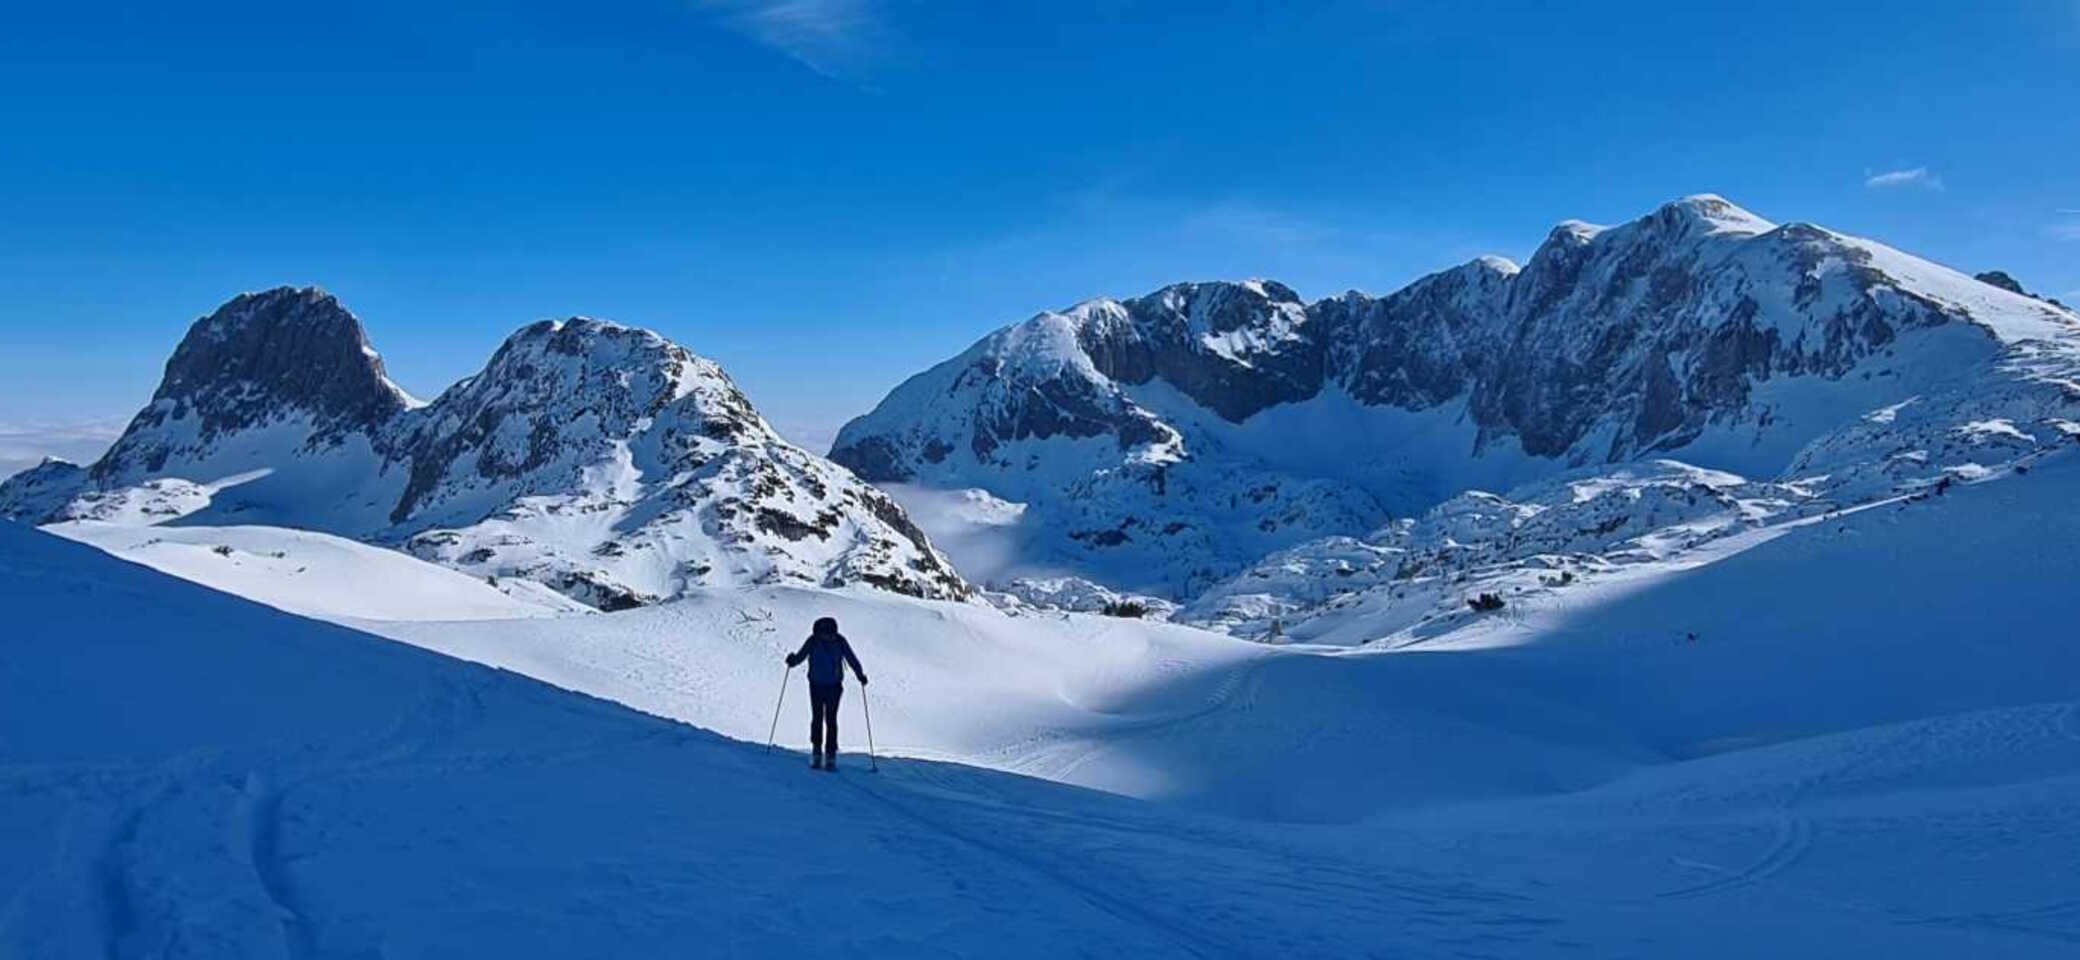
x=775, y=729
x=873, y=762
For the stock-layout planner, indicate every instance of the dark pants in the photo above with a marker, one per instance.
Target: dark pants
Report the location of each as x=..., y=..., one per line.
x=823, y=716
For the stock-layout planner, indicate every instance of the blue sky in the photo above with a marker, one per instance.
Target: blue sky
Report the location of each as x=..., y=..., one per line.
x=829, y=195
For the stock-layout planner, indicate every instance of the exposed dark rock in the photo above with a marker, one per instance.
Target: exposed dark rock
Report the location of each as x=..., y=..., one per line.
x=35, y=494
x=793, y=528
x=261, y=358
x=2000, y=278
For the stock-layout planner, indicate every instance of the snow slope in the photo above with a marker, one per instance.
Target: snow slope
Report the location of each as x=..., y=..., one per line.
x=1873, y=617
x=1872, y=744
x=186, y=774
x=954, y=681
x=319, y=575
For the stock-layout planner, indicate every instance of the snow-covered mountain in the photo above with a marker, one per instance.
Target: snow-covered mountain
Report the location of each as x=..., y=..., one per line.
x=1165, y=442
x=602, y=460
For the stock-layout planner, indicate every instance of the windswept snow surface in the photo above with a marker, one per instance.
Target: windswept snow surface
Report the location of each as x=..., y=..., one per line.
x=320, y=575
x=1859, y=733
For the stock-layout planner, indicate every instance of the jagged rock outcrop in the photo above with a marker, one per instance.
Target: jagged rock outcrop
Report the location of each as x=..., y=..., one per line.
x=2001, y=279
x=41, y=490
x=284, y=358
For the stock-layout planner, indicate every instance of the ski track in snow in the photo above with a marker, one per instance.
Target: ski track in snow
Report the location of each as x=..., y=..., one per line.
x=1794, y=837
x=2069, y=722
x=1181, y=935
x=2018, y=921
x=1119, y=732
x=263, y=815
x=119, y=911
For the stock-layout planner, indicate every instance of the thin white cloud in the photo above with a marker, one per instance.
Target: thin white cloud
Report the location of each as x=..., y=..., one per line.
x=836, y=38
x=1894, y=179
x=2066, y=231
x=1256, y=225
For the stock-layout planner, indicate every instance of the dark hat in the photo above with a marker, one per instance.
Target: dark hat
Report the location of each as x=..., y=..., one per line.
x=826, y=625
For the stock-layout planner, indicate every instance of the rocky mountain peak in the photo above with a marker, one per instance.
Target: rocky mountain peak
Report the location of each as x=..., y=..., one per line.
x=1707, y=213
x=2001, y=279
x=1487, y=264
x=584, y=354
x=297, y=343
x=41, y=490
x=560, y=395
x=286, y=354
x=1571, y=233
x=2004, y=281
x=620, y=468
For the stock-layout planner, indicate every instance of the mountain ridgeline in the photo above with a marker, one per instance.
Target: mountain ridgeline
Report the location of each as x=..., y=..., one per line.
x=601, y=460
x=1162, y=442
x=1230, y=446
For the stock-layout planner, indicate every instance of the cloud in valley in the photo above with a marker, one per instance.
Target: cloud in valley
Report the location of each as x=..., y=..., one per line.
x=25, y=445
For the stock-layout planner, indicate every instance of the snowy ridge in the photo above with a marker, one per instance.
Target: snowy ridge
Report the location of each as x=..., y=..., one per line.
x=1077, y=595
x=1204, y=426
x=602, y=460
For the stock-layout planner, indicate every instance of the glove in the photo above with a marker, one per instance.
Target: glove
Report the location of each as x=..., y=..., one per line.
x=862, y=679
x=792, y=660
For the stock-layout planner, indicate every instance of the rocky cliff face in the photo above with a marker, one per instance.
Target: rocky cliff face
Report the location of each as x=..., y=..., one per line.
x=602, y=460
x=42, y=490
x=284, y=357
x=1205, y=425
x=1638, y=338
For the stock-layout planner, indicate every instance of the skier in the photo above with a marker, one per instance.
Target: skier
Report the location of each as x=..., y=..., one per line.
x=824, y=649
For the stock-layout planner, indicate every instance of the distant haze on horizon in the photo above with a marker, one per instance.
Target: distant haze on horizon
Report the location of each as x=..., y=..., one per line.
x=827, y=196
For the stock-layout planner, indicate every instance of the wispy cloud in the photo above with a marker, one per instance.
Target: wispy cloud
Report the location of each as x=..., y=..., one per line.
x=1894, y=179
x=2068, y=230
x=836, y=38
x=1254, y=225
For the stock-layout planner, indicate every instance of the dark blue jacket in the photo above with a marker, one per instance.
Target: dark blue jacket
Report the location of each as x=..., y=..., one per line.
x=823, y=651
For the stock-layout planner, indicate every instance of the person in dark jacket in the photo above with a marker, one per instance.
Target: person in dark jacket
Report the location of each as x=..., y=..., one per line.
x=827, y=651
